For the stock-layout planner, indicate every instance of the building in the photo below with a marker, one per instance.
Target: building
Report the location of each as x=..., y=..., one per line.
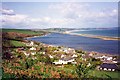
x=74, y=55
x=50, y=56
x=33, y=53
x=67, y=50
x=65, y=60
x=32, y=43
x=108, y=67
x=26, y=54
x=32, y=48
x=62, y=56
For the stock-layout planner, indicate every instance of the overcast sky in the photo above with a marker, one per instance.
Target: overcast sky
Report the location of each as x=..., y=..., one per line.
x=59, y=15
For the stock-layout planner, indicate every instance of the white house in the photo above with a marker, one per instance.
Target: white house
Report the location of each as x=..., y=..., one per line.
x=42, y=52
x=74, y=55
x=115, y=61
x=50, y=56
x=32, y=48
x=60, y=62
x=88, y=65
x=90, y=54
x=62, y=56
x=109, y=58
x=74, y=62
x=34, y=58
x=26, y=54
x=33, y=53
x=32, y=43
x=65, y=60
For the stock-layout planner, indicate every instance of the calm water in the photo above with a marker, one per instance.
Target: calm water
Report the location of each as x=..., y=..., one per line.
x=78, y=42
x=109, y=32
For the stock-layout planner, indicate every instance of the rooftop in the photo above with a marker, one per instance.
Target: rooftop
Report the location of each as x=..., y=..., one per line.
x=109, y=65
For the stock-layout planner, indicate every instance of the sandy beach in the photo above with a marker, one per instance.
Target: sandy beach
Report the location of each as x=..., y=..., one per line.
x=91, y=36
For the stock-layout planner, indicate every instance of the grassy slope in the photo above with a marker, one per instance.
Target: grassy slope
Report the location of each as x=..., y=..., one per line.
x=101, y=74
x=17, y=43
x=24, y=31
x=97, y=73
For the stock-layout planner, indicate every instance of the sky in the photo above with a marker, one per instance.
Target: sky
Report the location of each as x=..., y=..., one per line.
x=40, y=15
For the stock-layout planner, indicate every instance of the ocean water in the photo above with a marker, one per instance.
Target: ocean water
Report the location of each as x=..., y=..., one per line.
x=79, y=42
x=106, y=32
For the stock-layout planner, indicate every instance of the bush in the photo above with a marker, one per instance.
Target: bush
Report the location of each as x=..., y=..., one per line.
x=82, y=70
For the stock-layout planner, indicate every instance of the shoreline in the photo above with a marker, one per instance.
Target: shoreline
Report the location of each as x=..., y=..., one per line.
x=98, y=53
x=92, y=36
x=101, y=53
x=37, y=36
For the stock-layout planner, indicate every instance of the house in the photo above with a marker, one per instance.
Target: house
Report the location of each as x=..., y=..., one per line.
x=74, y=55
x=65, y=60
x=62, y=56
x=42, y=52
x=108, y=67
x=89, y=64
x=27, y=54
x=45, y=45
x=50, y=56
x=32, y=43
x=85, y=57
x=67, y=50
x=116, y=60
x=58, y=55
x=109, y=58
x=32, y=48
x=33, y=53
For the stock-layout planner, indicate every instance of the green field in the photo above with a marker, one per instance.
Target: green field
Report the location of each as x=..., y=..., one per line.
x=103, y=74
x=17, y=43
x=96, y=73
x=24, y=31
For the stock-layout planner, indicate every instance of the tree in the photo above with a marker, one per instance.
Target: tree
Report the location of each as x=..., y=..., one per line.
x=83, y=69
x=29, y=63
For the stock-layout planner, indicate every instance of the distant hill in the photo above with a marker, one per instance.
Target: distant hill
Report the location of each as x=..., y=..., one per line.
x=23, y=31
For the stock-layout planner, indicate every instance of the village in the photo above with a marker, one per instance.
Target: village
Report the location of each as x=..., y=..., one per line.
x=61, y=56
x=45, y=60
x=30, y=59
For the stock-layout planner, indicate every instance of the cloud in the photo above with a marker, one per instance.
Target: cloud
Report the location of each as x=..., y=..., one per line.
x=81, y=11
x=14, y=18
x=69, y=10
x=25, y=21
x=7, y=11
x=65, y=15
x=84, y=15
x=114, y=12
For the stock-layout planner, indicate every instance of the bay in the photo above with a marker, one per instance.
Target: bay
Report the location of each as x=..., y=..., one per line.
x=79, y=42
x=104, y=32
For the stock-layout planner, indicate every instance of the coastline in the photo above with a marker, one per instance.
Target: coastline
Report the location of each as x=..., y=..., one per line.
x=99, y=53
x=37, y=36
x=91, y=36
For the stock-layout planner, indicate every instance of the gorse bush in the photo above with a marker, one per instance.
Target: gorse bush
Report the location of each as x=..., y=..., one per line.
x=83, y=70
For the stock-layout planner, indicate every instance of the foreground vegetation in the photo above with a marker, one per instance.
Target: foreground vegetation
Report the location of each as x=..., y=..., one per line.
x=105, y=74
x=16, y=64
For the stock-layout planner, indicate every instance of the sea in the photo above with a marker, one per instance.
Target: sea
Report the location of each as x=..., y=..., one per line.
x=100, y=32
x=83, y=43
